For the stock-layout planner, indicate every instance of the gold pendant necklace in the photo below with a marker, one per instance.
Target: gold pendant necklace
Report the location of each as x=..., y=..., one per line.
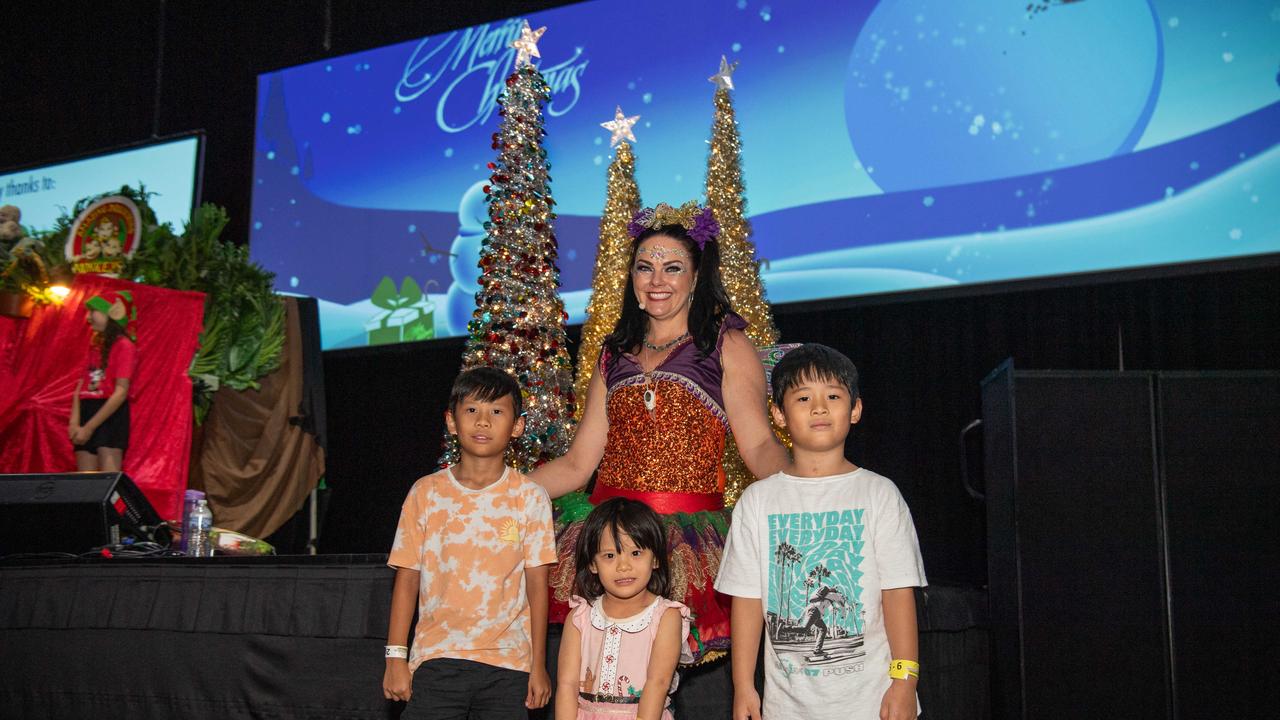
x=650, y=393
x=650, y=388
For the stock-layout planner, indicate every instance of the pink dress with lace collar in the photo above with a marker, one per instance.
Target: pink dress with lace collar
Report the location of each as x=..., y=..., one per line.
x=615, y=657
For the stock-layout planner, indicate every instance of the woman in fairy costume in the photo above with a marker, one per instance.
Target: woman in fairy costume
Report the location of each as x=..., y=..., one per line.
x=675, y=375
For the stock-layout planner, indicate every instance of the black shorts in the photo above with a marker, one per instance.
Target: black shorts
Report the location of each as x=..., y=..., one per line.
x=114, y=433
x=452, y=689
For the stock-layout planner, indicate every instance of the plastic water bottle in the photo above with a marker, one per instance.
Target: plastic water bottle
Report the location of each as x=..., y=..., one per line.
x=196, y=533
x=189, y=499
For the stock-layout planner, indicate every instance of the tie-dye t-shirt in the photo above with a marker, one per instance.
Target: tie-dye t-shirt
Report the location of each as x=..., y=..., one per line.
x=471, y=548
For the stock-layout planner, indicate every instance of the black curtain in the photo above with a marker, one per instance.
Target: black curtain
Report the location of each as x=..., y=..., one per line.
x=921, y=361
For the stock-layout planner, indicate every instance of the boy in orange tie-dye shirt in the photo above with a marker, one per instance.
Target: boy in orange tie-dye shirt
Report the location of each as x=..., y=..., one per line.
x=473, y=550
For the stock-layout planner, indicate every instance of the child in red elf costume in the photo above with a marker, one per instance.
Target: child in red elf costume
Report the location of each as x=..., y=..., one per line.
x=99, y=427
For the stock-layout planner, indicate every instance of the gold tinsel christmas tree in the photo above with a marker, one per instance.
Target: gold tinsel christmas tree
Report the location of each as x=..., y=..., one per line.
x=519, y=321
x=738, y=266
x=727, y=198
x=613, y=254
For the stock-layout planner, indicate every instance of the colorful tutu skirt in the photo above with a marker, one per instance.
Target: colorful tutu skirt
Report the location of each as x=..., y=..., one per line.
x=695, y=544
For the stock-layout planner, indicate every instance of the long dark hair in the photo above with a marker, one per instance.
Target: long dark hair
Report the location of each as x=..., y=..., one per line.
x=639, y=522
x=707, y=306
x=107, y=338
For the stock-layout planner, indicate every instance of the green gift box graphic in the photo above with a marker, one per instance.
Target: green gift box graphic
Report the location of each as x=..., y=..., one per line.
x=410, y=314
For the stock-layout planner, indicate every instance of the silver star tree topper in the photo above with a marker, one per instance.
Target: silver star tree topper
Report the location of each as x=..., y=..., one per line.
x=527, y=44
x=620, y=126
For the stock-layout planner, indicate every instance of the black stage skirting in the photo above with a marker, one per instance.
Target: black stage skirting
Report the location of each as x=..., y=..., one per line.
x=299, y=637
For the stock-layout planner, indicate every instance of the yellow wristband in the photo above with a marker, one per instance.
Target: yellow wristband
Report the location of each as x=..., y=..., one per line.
x=903, y=669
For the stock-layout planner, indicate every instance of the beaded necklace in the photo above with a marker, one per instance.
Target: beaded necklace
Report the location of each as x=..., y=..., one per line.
x=665, y=345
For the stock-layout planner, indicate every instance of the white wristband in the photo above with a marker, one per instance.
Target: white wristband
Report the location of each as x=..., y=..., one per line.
x=397, y=651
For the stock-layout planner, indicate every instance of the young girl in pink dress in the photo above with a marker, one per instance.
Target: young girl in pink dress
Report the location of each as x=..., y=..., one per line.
x=623, y=639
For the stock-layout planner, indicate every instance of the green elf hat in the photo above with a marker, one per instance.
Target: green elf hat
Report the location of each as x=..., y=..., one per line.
x=118, y=306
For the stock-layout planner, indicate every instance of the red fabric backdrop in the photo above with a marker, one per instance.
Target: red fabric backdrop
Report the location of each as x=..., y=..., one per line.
x=40, y=361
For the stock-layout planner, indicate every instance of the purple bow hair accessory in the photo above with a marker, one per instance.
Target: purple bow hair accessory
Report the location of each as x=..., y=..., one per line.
x=640, y=222
x=705, y=228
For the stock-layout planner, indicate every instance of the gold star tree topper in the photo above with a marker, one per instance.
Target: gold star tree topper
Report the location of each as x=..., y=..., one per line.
x=527, y=44
x=620, y=126
x=724, y=78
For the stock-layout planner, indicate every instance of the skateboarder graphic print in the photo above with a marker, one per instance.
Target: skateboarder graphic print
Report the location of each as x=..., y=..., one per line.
x=827, y=598
x=813, y=612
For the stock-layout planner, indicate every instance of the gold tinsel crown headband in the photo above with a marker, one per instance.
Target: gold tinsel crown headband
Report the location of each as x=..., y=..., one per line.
x=698, y=221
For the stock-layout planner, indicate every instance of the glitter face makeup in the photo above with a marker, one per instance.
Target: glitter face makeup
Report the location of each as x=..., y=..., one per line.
x=663, y=277
x=660, y=254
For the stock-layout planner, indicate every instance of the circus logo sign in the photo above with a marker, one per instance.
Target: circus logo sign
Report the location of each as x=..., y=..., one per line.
x=104, y=236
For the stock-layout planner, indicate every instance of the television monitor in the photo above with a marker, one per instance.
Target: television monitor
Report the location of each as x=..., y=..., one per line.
x=168, y=167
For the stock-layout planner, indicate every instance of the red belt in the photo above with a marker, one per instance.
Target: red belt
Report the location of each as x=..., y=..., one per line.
x=663, y=502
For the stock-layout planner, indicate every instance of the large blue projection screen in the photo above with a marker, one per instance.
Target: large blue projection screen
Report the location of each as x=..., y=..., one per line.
x=886, y=146
x=167, y=168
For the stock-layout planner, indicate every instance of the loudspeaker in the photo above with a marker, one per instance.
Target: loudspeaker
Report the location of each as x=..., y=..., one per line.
x=1221, y=460
x=1131, y=542
x=1074, y=552
x=73, y=513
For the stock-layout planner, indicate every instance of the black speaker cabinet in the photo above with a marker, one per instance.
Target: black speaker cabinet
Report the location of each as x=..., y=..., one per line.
x=73, y=512
x=1131, y=547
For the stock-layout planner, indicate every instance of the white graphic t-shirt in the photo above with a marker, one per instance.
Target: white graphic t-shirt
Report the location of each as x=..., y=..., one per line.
x=818, y=551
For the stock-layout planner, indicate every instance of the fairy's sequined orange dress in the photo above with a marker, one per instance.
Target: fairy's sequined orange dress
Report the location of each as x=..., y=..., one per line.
x=669, y=458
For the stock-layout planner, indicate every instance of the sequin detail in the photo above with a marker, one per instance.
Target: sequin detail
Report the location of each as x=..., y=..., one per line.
x=692, y=387
x=676, y=448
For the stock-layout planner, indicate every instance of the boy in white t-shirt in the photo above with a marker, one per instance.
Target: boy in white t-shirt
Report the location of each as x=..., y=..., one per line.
x=823, y=558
